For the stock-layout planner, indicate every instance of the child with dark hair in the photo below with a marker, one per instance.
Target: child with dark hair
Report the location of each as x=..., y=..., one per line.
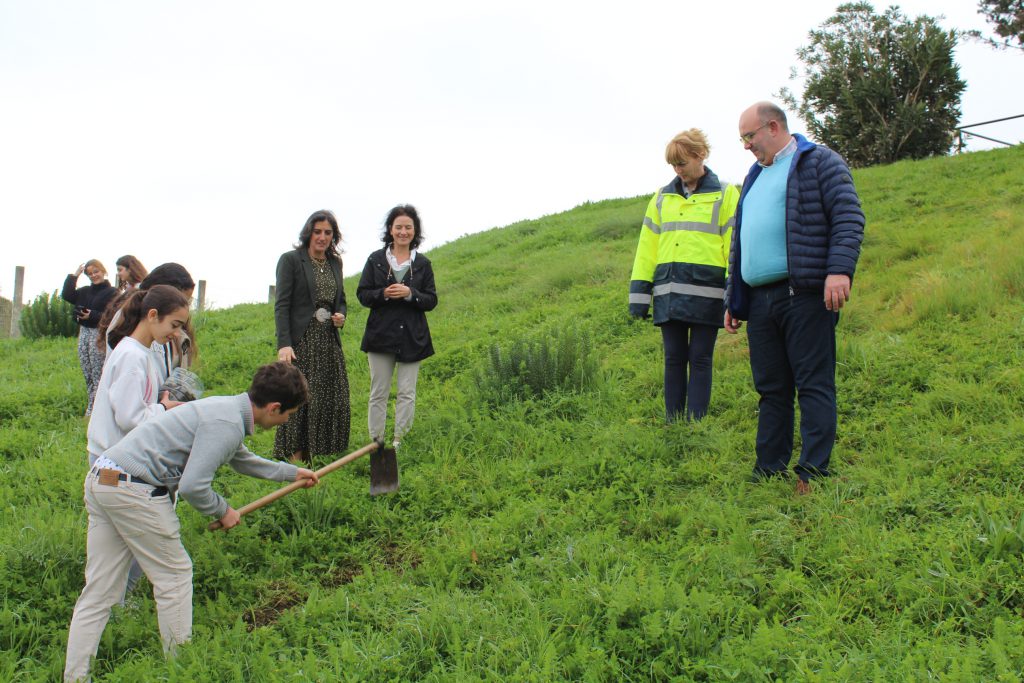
x=178, y=352
x=128, y=390
x=129, y=496
x=279, y=382
x=130, y=272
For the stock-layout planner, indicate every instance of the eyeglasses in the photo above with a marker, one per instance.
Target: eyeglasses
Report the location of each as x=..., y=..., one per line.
x=747, y=138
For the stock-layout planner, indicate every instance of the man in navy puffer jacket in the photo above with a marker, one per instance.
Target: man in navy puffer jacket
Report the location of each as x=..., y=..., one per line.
x=795, y=246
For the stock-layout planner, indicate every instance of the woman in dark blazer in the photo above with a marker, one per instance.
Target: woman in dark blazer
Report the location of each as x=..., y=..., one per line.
x=398, y=287
x=308, y=314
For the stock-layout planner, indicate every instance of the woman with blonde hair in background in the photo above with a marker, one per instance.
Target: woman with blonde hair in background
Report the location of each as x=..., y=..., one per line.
x=90, y=302
x=130, y=272
x=680, y=267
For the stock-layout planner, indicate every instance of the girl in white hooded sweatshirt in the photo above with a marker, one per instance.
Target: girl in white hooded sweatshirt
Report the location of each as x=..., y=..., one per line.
x=128, y=391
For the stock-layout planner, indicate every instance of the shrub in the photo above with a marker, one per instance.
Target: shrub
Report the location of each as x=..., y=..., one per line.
x=529, y=367
x=48, y=316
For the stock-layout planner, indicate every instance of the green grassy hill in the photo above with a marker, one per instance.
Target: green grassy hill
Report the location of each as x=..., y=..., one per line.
x=576, y=536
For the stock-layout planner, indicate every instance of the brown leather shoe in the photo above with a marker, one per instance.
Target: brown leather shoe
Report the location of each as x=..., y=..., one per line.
x=802, y=487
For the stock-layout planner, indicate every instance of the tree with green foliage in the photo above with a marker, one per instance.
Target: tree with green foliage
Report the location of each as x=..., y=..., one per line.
x=48, y=316
x=1008, y=18
x=879, y=87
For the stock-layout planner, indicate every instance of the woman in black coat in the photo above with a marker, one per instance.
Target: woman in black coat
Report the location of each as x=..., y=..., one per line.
x=398, y=287
x=308, y=314
x=90, y=302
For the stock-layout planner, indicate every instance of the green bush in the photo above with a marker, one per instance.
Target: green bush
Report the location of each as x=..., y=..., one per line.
x=48, y=316
x=530, y=367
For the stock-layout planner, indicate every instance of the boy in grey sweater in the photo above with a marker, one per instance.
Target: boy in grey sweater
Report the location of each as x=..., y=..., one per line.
x=130, y=492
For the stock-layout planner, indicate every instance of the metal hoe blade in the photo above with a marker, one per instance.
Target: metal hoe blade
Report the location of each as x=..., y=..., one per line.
x=383, y=471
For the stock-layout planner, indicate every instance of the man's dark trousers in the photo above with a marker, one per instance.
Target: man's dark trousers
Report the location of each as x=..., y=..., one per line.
x=792, y=343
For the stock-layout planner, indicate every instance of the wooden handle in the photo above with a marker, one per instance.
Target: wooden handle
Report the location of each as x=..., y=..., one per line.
x=285, y=490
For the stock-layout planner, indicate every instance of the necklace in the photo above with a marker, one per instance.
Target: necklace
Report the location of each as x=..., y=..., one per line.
x=320, y=263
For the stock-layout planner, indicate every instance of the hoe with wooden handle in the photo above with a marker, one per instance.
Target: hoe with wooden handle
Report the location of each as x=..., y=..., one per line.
x=383, y=477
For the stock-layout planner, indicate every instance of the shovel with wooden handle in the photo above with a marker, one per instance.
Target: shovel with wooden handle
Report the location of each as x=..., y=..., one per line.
x=386, y=478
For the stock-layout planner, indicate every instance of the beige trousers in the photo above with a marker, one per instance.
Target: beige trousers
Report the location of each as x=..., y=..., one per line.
x=126, y=521
x=382, y=367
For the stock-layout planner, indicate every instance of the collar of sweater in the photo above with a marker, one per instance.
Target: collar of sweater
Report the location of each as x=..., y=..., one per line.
x=245, y=405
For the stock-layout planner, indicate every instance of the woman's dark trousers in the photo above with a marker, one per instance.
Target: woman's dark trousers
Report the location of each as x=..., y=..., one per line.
x=690, y=345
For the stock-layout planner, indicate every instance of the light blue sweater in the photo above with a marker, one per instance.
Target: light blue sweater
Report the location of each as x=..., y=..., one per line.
x=763, y=238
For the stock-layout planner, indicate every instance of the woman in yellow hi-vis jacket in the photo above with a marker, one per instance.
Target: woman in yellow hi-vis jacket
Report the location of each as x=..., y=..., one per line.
x=680, y=268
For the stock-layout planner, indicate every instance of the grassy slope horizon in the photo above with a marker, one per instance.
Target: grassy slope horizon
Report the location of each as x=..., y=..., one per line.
x=576, y=536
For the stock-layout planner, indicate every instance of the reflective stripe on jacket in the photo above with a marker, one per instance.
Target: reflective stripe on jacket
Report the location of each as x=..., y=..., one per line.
x=683, y=253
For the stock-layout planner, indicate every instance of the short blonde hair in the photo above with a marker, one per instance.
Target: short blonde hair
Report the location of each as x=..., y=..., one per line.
x=689, y=143
x=94, y=263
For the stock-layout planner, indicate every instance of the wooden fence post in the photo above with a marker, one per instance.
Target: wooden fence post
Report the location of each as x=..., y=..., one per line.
x=272, y=294
x=201, y=296
x=19, y=291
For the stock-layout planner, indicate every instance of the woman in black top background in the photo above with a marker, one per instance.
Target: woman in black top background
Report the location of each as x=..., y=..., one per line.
x=90, y=302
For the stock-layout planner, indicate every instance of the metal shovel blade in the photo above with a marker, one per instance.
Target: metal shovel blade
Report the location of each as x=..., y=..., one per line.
x=383, y=471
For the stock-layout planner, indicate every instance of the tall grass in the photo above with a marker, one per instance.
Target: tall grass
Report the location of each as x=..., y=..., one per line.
x=571, y=534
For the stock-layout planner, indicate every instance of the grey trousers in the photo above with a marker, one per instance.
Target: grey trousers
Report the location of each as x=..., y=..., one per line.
x=382, y=367
x=126, y=521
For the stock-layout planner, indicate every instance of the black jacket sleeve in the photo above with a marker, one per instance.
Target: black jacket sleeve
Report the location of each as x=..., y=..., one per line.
x=282, y=304
x=370, y=291
x=425, y=297
x=70, y=292
x=101, y=300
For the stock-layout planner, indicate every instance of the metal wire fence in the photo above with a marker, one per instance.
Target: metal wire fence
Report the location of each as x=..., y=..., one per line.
x=962, y=134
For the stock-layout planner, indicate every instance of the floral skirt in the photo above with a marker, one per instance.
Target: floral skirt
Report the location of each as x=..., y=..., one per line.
x=321, y=426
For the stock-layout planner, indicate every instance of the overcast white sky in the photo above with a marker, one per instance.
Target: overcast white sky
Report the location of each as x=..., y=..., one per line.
x=206, y=132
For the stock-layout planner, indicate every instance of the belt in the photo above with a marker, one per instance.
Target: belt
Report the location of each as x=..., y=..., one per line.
x=124, y=476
